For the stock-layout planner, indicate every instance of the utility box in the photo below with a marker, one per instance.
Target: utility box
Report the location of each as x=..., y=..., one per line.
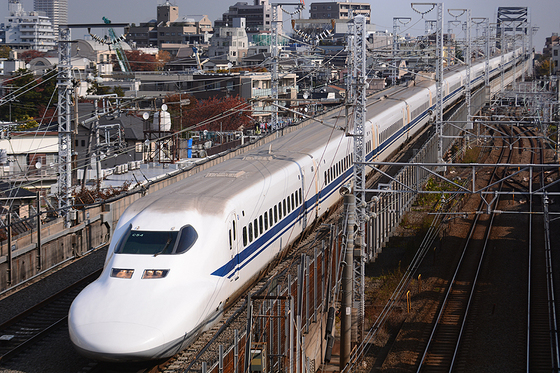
x=258, y=358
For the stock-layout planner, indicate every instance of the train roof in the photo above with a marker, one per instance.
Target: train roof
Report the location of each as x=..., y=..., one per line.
x=209, y=190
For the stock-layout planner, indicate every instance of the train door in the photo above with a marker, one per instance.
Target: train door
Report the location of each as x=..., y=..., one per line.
x=303, y=209
x=315, y=174
x=406, y=119
x=233, y=240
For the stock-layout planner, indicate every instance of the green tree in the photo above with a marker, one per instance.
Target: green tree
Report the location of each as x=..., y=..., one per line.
x=5, y=51
x=27, y=97
x=119, y=91
x=543, y=67
x=97, y=89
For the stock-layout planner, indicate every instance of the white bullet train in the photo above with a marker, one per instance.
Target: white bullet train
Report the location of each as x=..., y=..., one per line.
x=180, y=254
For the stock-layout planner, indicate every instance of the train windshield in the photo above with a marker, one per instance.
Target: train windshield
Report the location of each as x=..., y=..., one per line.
x=158, y=243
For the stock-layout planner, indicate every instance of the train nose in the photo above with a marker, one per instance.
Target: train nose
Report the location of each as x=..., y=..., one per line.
x=118, y=341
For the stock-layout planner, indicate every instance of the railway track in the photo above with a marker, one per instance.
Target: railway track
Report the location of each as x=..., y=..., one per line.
x=542, y=353
x=441, y=349
x=206, y=348
x=28, y=327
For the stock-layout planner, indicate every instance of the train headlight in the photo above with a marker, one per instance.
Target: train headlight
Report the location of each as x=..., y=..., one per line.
x=155, y=273
x=121, y=273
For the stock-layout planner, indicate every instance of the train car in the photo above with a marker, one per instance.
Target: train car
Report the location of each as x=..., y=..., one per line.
x=178, y=256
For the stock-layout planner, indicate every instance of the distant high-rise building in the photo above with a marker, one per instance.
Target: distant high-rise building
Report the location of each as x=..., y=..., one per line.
x=56, y=10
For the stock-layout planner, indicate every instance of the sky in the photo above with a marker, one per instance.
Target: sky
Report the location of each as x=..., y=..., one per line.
x=544, y=14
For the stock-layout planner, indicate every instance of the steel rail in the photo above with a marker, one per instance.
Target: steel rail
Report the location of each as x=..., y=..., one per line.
x=450, y=288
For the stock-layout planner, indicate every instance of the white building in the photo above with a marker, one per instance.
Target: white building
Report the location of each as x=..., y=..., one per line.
x=230, y=43
x=27, y=30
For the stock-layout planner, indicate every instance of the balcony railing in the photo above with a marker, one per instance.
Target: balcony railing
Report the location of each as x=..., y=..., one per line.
x=265, y=92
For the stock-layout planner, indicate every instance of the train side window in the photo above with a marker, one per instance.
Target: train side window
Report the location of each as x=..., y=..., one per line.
x=280, y=211
x=234, y=238
x=275, y=214
x=230, y=241
x=250, y=232
x=261, y=230
x=265, y=220
x=300, y=197
x=244, y=236
x=256, y=225
x=270, y=221
x=293, y=205
x=284, y=207
x=187, y=238
x=326, y=177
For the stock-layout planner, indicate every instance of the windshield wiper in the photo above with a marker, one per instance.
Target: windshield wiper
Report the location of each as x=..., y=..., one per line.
x=164, y=248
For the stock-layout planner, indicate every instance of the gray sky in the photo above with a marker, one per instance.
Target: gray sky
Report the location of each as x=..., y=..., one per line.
x=544, y=13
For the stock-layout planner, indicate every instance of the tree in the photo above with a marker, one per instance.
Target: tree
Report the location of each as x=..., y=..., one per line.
x=140, y=61
x=30, y=54
x=163, y=57
x=5, y=51
x=97, y=89
x=543, y=66
x=215, y=114
x=28, y=97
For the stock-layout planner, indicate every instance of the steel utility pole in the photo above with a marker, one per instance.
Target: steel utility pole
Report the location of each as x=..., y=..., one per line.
x=347, y=280
x=397, y=21
x=274, y=73
x=65, y=90
x=439, y=79
x=439, y=69
x=360, y=110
